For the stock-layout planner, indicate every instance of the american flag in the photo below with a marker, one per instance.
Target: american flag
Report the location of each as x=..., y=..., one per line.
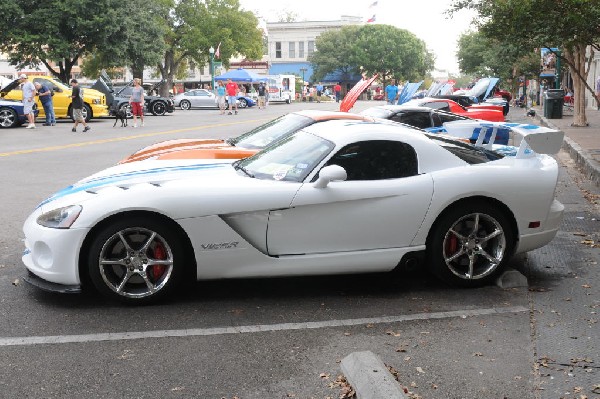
x=218, y=52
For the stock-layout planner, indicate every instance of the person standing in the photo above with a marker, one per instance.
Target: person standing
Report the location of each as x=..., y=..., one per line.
x=220, y=93
x=338, y=92
x=137, y=102
x=45, y=96
x=231, y=89
x=28, y=100
x=77, y=106
x=261, y=96
x=319, y=91
x=391, y=93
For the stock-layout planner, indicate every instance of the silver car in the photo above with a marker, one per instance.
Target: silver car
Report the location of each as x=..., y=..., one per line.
x=197, y=98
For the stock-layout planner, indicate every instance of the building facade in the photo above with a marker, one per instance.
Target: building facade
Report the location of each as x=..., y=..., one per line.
x=290, y=44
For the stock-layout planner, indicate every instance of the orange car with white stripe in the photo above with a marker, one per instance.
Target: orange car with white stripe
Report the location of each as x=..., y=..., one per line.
x=242, y=146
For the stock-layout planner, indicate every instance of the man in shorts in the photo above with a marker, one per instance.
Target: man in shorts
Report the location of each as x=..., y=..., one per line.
x=136, y=101
x=262, y=95
x=231, y=89
x=28, y=100
x=77, y=106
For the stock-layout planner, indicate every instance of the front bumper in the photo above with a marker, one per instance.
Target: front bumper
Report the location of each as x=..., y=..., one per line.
x=51, y=287
x=52, y=254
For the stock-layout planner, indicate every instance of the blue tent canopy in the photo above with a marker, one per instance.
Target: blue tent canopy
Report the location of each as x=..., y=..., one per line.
x=241, y=75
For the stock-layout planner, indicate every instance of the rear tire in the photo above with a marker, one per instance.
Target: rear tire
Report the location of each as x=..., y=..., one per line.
x=136, y=260
x=470, y=244
x=185, y=105
x=8, y=118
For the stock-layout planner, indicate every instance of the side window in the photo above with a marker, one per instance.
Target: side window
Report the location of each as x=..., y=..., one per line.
x=376, y=160
x=437, y=121
x=450, y=117
x=416, y=119
x=437, y=105
x=45, y=82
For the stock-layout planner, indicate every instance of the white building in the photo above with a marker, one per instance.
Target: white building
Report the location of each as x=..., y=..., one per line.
x=291, y=43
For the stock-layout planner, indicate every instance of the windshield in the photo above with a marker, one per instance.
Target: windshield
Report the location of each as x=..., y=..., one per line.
x=290, y=159
x=467, y=152
x=274, y=130
x=377, y=112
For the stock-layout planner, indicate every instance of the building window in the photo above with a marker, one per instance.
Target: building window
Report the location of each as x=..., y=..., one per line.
x=277, y=49
x=292, y=53
x=311, y=47
x=300, y=49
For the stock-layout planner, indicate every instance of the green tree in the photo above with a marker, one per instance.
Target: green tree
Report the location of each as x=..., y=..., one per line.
x=383, y=49
x=570, y=25
x=142, y=40
x=38, y=32
x=196, y=25
x=332, y=55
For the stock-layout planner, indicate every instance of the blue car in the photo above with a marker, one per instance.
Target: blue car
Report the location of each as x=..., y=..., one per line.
x=11, y=111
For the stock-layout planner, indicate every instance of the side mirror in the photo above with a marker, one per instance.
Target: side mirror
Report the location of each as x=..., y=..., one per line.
x=57, y=90
x=330, y=173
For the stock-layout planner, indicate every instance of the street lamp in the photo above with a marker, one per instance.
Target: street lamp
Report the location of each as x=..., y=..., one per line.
x=302, y=88
x=211, y=51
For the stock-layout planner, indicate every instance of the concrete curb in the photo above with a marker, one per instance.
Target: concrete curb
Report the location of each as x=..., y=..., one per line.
x=582, y=158
x=370, y=378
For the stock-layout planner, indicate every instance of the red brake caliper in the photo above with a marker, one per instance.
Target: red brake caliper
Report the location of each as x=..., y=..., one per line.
x=159, y=253
x=451, y=245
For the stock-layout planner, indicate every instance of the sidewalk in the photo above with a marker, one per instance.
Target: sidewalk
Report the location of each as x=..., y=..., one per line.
x=582, y=143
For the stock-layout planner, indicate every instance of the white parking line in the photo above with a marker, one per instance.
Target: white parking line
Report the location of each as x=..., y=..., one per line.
x=197, y=332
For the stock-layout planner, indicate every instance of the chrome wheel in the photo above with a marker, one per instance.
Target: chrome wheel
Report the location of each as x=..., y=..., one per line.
x=185, y=105
x=127, y=108
x=136, y=263
x=243, y=103
x=159, y=108
x=474, y=246
x=8, y=117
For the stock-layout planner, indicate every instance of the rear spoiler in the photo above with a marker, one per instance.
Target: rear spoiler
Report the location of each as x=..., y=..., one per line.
x=539, y=139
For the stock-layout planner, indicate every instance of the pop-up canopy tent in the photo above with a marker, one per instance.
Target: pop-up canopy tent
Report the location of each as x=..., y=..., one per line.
x=241, y=75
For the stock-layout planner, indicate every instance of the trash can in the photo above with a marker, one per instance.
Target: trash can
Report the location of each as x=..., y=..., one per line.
x=553, y=103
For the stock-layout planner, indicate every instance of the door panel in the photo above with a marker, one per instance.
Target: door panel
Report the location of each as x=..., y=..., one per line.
x=351, y=216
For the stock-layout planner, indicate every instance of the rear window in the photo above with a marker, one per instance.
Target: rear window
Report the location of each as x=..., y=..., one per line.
x=467, y=152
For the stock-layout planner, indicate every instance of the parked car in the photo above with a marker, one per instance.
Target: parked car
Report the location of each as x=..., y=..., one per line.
x=488, y=112
x=12, y=113
x=94, y=102
x=429, y=119
x=334, y=197
x=156, y=105
x=115, y=102
x=242, y=146
x=202, y=98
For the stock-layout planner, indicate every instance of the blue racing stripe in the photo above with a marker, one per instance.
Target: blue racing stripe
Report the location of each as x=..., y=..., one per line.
x=111, y=179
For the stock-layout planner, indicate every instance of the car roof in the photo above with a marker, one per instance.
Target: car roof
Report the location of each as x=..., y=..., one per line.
x=319, y=115
x=355, y=129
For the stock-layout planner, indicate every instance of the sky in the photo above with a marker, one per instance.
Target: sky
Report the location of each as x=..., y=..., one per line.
x=424, y=18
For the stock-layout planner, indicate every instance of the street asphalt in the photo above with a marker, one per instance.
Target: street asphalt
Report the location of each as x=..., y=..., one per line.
x=287, y=338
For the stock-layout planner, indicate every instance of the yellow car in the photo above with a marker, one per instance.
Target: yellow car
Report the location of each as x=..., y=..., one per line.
x=94, y=102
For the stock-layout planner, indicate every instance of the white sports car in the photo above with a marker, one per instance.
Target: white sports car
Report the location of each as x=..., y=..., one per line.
x=335, y=197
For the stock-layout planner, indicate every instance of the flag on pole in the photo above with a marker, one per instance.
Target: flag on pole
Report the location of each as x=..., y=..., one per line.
x=372, y=19
x=218, y=52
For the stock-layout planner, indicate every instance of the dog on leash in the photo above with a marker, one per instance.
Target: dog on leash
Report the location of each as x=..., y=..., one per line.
x=121, y=115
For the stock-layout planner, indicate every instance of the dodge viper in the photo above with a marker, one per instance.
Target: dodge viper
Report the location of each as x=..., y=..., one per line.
x=488, y=112
x=334, y=197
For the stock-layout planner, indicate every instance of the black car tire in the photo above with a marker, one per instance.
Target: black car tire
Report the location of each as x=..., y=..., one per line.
x=136, y=260
x=470, y=239
x=158, y=108
x=243, y=103
x=8, y=117
x=185, y=105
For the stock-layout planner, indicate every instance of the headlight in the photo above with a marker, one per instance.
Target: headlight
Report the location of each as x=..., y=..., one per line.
x=61, y=218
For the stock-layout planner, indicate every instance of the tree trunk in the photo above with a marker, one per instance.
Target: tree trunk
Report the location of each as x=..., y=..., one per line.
x=137, y=70
x=577, y=64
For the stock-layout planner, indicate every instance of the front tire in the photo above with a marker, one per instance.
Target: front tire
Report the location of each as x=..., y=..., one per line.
x=8, y=118
x=185, y=105
x=159, y=108
x=470, y=245
x=136, y=260
x=243, y=103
